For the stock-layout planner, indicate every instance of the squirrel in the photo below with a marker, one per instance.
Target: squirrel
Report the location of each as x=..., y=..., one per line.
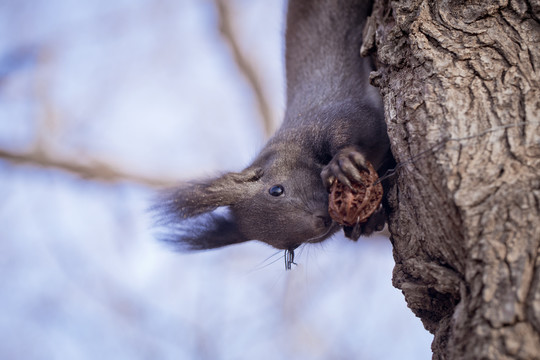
x=333, y=124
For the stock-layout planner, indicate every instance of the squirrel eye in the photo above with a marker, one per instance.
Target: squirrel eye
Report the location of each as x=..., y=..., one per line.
x=276, y=190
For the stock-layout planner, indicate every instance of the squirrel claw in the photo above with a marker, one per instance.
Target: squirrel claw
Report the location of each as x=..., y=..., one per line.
x=345, y=167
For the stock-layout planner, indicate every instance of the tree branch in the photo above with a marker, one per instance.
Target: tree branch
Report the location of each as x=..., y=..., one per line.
x=244, y=65
x=94, y=170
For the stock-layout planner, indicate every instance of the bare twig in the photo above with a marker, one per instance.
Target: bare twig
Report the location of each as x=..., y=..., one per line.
x=94, y=170
x=226, y=29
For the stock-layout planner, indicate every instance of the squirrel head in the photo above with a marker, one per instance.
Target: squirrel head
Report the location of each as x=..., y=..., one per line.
x=277, y=200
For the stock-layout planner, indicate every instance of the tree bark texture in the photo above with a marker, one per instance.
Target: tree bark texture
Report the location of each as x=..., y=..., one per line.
x=460, y=82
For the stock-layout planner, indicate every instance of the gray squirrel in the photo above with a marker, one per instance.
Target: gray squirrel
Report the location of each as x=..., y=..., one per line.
x=333, y=123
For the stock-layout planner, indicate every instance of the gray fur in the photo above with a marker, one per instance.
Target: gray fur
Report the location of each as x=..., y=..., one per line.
x=333, y=124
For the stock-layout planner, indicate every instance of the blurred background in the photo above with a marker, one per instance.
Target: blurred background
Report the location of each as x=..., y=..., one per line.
x=103, y=102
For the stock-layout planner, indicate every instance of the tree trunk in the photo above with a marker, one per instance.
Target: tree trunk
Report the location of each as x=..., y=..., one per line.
x=460, y=82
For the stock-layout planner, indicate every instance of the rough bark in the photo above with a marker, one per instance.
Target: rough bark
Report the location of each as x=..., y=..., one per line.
x=460, y=82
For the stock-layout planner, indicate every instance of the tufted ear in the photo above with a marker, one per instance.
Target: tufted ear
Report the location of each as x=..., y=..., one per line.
x=195, y=198
x=187, y=213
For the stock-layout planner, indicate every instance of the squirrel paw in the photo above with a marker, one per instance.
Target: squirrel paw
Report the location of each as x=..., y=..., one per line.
x=345, y=167
x=375, y=223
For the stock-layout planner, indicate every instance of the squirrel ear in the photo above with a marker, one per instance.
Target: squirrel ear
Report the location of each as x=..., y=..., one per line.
x=196, y=198
x=188, y=213
x=204, y=232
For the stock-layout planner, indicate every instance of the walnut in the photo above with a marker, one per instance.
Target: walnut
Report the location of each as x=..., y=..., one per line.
x=354, y=206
